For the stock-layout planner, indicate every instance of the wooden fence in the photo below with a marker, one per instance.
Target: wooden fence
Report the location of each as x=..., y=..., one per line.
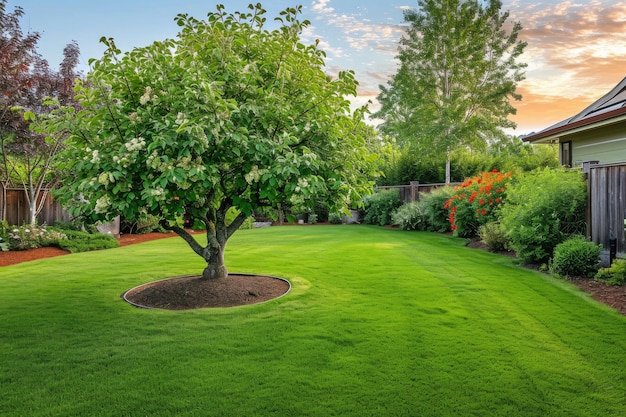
x=411, y=192
x=607, y=205
x=17, y=208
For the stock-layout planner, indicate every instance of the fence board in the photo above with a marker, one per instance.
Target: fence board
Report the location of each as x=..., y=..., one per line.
x=17, y=208
x=607, y=194
x=409, y=193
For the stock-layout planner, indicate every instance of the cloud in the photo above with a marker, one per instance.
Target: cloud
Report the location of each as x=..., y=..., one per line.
x=576, y=53
x=359, y=33
x=575, y=49
x=321, y=7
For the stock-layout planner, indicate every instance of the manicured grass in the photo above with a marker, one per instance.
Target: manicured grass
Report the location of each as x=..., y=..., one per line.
x=379, y=323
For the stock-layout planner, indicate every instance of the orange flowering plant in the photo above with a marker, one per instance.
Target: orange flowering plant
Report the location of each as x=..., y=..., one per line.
x=476, y=202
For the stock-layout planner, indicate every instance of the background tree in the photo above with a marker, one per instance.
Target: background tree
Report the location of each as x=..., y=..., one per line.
x=228, y=115
x=25, y=80
x=458, y=73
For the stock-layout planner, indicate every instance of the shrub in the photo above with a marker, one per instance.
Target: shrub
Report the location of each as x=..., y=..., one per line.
x=335, y=218
x=4, y=230
x=379, y=207
x=494, y=237
x=321, y=212
x=77, y=241
x=409, y=216
x=615, y=274
x=77, y=225
x=433, y=208
x=476, y=202
x=542, y=209
x=576, y=257
x=32, y=237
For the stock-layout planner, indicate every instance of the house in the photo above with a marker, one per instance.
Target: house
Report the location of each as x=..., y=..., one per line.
x=598, y=133
x=595, y=139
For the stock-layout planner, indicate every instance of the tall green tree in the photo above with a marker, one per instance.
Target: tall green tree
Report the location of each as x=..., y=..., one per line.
x=458, y=73
x=26, y=157
x=228, y=114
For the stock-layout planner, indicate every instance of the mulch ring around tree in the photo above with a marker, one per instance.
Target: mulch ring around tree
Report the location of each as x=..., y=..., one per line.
x=192, y=292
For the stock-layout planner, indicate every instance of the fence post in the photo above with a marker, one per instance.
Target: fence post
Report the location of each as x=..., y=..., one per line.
x=415, y=195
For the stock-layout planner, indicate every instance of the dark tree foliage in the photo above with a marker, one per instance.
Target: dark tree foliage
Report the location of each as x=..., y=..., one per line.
x=25, y=81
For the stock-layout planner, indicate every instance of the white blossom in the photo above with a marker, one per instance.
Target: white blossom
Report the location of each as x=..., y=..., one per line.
x=146, y=96
x=135, y=144
x=106, y=178
x=180, y=119
x=102, y=204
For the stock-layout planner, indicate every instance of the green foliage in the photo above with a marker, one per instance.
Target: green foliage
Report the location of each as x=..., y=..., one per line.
x=4, y=235
x=433, y=208
x=379, y=207
x=615, y=274
x=544, y=208
x=335, y=218
x=457, y=78
x=576, y=256
x=144, y=223
x=239, y=116
x=494, y=237
x=413, y=166
x=409, y=216
x=506, y=154
x=476, y=202
x=32, y=237
x=77, y=241
x=232, y=214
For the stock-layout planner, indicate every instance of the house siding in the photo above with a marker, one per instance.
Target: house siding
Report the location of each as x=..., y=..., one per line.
x=606, y=145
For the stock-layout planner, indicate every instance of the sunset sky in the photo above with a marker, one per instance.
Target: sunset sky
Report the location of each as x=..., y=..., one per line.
x=576, y=49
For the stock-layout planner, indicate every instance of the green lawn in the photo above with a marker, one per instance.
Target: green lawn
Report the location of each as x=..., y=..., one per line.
x=379, y=323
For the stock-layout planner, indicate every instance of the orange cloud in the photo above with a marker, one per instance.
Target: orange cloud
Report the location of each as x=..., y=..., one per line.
x=575, y=54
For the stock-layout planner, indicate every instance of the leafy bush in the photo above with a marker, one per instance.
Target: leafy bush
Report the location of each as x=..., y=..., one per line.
x=379, y=207
x=77, y=241
x=145, y=223
x=615, y=274
x=476, y=202
x=409, y=216
x=32, y=237
x=75, y=225
x=543, y=208
x=4, y=230
x=335, y=218
x=494, y=237
x=576, y=257
x=321, y=212
x=432, y=205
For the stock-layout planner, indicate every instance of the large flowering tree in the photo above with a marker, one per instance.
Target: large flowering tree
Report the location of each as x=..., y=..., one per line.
x=227, y=115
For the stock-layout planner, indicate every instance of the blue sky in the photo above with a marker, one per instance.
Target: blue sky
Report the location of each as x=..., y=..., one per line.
x=576, y=51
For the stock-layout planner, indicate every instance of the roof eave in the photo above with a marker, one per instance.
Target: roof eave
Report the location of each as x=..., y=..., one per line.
x=549, y=136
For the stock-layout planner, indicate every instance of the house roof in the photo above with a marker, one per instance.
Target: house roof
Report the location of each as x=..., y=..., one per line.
x=610, y=108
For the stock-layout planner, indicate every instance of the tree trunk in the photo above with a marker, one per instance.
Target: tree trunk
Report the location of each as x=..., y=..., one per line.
x=448, y=167
x=215, y=268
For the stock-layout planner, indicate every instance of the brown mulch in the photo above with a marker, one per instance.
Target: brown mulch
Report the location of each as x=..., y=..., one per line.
x=184, y=293
x=612, y=295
